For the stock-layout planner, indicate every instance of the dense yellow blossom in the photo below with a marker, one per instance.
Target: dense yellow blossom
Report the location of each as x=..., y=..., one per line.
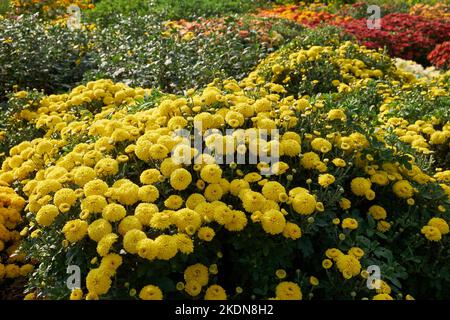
x=123, y=195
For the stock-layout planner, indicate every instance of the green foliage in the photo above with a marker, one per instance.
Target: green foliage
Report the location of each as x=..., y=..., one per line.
x=171, y=9
x=34, y=54
x=324, y=35
x=145, y=53
x=414, y=105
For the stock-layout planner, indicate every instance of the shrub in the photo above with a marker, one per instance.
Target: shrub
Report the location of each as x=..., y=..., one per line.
x=435, y=11
x=323, y=68
x=358, y=10
x=407, y=36
x=421, y=118
x=13, y=268
x=148, y=54
x=34, y=54
x=100, y=178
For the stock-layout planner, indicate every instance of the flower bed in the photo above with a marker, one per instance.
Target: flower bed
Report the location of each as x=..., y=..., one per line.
x=224, y=166
x=410, y=36
x=405, y=36
x=311, y=16
x=436, y=11
x=111, y=190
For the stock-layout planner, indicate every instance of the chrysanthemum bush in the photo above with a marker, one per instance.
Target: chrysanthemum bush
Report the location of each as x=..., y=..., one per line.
x=416, y=109
x=171, y=10
x=420, y=115
x=417, y=69
x=271, y=32
x=311, y=16
x=111, y=188
x=303, y=72
x=440, y=56
x=406, y=36
x=15, y=118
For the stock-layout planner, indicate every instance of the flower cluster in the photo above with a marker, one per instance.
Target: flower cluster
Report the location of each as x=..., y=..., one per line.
x=409, y=36
x=435, y=229
x=346, y=66
x=11, y=264
x=418, y=115
x=437, y=11
x=440, y=56
x=310, y=15
x=53, y=9
x=416, y=69
x=406, y=36
x=348, y=264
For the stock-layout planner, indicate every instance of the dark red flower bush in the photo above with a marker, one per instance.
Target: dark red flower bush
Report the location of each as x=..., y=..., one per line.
x=440, y=56
x=405, y=36
x=408, y=36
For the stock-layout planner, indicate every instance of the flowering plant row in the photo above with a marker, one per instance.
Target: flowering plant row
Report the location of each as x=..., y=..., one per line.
x=144, y=53
x=310, y=15
x=410, y=36
x=264, y=29
x=406, y=36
